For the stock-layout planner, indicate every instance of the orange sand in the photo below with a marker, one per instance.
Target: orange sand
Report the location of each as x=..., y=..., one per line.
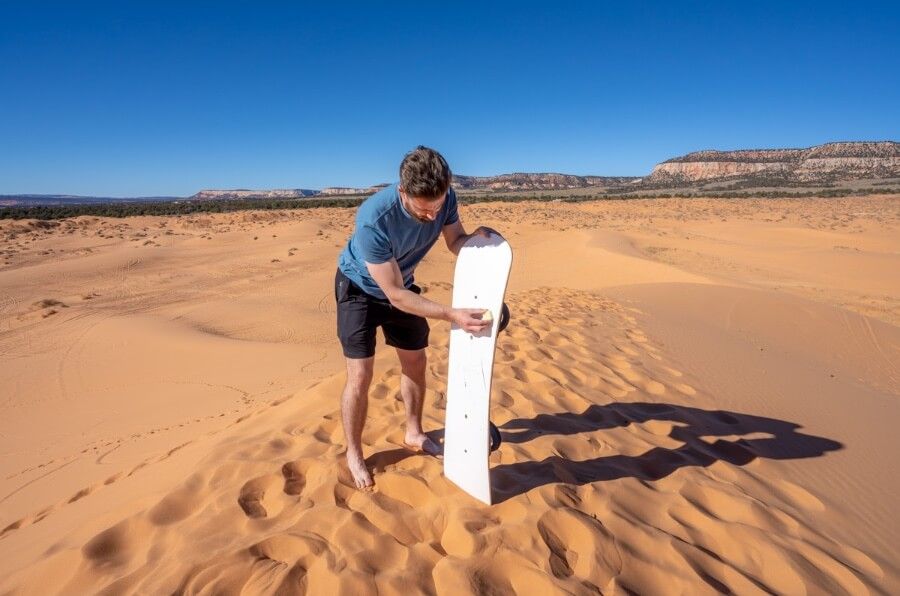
x=696, y=396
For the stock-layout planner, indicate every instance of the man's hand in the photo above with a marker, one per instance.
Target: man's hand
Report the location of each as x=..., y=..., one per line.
x=469, y=319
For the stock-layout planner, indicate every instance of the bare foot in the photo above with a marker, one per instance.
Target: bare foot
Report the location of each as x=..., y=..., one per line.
x=359, y=472
x=423, y=443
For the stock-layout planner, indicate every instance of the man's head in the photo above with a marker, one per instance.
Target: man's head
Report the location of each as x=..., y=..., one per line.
x=424, y=182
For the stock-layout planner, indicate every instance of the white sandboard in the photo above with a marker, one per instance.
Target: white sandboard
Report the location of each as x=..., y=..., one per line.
x=482, y=270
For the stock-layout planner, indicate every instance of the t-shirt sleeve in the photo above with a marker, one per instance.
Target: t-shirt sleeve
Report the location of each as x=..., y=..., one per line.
x=452, y=213
x=374, y=246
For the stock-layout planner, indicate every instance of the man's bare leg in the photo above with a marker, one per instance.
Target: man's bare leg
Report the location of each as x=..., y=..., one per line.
x=412, y=390
x=354, y=405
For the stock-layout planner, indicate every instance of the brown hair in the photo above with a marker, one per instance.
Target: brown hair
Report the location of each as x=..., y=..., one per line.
x=424, y=174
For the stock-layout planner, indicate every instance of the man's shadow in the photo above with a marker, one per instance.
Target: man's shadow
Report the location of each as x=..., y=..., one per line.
x=743, y=439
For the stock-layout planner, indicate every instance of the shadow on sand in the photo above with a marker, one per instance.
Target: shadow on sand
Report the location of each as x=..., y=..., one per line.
x=744, y=438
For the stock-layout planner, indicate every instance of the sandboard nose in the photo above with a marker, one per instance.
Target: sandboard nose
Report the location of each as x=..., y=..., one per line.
x=493, y=239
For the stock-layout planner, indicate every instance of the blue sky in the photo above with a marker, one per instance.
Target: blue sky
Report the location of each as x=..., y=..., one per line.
x=166, y=98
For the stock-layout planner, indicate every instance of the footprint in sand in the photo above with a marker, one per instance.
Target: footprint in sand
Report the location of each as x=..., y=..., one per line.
x=259, y=497
x=579, y=545
x=116, y=546
x=295, y=474
x=289, y=549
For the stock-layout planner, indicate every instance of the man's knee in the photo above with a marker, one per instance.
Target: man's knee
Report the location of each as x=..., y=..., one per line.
x=412, y=362
x=360, y=372
x=359, y=380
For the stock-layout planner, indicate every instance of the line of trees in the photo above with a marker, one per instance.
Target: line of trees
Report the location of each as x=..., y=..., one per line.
x=46, y=212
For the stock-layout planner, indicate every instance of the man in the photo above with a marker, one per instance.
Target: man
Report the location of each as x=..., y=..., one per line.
x=374, y=288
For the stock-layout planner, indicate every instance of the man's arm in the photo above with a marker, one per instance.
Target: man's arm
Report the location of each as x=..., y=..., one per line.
x=388, y=277
x=455, y=236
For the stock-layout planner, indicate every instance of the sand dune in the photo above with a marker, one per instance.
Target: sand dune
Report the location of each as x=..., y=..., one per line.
x=687, y=405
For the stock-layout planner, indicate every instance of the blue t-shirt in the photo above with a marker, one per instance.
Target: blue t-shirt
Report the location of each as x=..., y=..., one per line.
x=385, y=230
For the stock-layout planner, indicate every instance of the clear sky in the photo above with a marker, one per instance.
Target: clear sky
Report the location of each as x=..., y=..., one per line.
x=135, y=98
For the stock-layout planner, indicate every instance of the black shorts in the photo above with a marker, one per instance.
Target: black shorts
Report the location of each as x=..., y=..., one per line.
x=359, y=314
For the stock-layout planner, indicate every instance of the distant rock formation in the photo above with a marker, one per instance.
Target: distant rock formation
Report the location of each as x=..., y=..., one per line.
x=344, y=190
x=289, y=193
x=548, y=181
x=823, y=163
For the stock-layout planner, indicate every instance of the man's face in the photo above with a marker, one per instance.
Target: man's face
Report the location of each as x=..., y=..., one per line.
x=423, y=210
